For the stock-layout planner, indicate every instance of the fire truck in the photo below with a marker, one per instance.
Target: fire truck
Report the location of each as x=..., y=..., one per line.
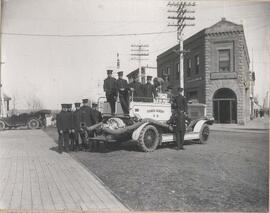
x=147, y=125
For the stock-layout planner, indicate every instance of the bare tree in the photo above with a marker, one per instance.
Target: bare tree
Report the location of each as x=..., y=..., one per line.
x=34, y=103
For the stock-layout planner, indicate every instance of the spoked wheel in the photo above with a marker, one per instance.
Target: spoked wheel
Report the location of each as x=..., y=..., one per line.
x=148, y=139
x=204, y=133
x=2, y=125
x=33, y=124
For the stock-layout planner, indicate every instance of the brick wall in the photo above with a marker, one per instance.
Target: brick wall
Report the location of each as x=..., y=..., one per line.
x=234, y=40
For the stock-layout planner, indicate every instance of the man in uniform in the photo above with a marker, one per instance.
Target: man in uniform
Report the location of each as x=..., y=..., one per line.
x=97, y=118
x=109, y=87
x=76, y=125
x=122, y=89
x=70, y=126
x=179, y=105
x=169, y=93
x=59, y=126
x=64, y=125
x=87, y=120
x=136, y=88
x=149, y=90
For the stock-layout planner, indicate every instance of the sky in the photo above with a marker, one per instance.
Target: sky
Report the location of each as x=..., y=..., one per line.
x=64, y=69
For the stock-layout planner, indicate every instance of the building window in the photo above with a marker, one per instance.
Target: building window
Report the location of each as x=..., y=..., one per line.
x=177, y=71
x=192, y=95
x=166, y=72
x=224, y=60
x=197, y=65
x=188, y=67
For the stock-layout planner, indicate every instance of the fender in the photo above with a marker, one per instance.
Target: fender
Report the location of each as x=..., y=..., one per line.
x=198, y=125
x=136, y=133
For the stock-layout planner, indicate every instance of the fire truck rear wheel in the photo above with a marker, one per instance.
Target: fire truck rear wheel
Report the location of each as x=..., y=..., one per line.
x=204, y=133
x=148, y=139
x=2, y=125
x=33, y=124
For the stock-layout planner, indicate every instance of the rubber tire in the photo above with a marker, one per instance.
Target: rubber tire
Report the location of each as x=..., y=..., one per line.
x=204, y=138
x=2, y=125
x=30, y=125
x=141, y=142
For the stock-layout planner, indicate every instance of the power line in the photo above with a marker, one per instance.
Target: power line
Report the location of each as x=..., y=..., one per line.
x=139, y=51
x=85, y=35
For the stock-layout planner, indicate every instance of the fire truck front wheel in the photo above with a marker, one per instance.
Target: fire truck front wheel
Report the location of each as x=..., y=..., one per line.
x=204, y=133
x=148, y=139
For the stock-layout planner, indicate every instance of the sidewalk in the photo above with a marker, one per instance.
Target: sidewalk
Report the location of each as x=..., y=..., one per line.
x=256, y=125
x=34, y=176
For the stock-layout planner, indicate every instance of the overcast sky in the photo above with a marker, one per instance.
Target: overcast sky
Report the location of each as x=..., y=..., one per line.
x=67, y=69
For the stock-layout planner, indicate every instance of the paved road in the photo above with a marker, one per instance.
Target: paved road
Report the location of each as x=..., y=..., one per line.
x=34, y=176
x=228, y=173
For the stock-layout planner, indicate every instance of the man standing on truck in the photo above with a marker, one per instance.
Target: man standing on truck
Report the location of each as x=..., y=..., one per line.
x=136, y=88
x=122, y=89
x=179, y=105
x=149, y=90
x=110, y=90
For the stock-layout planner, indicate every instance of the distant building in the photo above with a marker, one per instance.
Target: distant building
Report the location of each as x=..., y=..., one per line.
x=146, y=70
x=216, y=71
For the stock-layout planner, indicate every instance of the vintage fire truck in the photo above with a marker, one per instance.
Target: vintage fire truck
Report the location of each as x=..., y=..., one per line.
x=147, y=123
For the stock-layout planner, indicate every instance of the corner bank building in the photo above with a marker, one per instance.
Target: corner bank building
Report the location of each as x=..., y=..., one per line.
x=216, y=71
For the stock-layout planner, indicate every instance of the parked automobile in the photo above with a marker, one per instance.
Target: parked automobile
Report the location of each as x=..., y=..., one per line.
x=32, y=120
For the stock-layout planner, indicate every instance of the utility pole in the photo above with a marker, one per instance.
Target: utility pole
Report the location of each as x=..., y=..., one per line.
x=1, y=102
x=118, y=62
x=180, y=11
x=139, y=51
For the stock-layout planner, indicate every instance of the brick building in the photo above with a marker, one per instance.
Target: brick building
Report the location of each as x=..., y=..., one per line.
x=216, y=71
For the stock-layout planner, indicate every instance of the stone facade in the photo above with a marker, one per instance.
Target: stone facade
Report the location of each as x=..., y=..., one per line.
x=203, y=76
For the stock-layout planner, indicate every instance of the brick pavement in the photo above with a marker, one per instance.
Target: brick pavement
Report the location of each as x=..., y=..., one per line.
x=34, y=176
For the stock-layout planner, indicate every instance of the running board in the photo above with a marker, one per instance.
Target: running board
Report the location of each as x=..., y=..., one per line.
x=188, y=136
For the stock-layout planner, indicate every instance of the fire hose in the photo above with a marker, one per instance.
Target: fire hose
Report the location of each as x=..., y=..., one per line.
x=130, y=128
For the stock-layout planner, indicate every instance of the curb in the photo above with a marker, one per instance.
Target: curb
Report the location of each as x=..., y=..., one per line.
x=101, y=182
x=260, y=131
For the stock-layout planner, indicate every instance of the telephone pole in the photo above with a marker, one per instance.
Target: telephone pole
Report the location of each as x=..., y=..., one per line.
x=139, y=51
x=180, y=11
x=1, y=103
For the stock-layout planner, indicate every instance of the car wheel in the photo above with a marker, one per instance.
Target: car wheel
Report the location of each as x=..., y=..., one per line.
x=204, y=133
x=2, y=125
x=148, y=139
x=33, y=124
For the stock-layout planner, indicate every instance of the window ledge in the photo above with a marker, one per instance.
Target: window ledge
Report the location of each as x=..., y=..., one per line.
x=223, y=75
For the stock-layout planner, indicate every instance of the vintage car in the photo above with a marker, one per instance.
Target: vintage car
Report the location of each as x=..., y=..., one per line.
x=32, y=120
x=147, y=124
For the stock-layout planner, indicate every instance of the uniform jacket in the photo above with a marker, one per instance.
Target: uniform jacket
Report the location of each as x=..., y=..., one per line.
x=149, y=90
x=97, y=116
x=179, y=104
x=121, y=84
x=77, y=119
x=64, y=121
x=87, y=115
x=138, y=90
x=109, y=85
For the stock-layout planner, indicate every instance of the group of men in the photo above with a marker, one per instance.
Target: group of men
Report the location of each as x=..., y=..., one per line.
x=71, y=125
x=114, y=88
x=146, y=93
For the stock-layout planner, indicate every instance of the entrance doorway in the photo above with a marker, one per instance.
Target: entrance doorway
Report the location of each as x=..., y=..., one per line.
x=225, y=106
